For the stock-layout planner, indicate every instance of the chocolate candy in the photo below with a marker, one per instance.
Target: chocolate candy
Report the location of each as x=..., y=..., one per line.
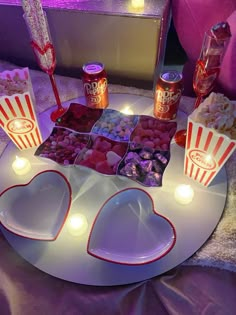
x=146, y=153
x=153, y=179
x=157, y=166
x=145, y=165
x=161, y=158
x=132, y=157
x=130, y=170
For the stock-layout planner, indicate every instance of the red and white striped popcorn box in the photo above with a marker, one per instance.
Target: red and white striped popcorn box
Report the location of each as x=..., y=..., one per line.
x=206, y=152
x=17, y=114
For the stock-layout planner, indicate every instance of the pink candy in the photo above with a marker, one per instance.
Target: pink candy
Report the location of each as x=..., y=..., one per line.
x=153, y=133
x=62, y=146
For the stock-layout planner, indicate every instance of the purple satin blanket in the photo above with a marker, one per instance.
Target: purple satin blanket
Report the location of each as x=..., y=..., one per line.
x=25, y=290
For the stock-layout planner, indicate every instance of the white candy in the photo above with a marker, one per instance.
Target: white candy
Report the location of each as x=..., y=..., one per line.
x=112, y=158
x=87, y=154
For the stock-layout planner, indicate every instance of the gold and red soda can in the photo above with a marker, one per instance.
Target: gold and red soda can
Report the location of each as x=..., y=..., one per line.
x=168, y=92
x=95, y=85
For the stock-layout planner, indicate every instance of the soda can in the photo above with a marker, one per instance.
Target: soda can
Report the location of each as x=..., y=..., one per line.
x=95, y=85
x=168, y=92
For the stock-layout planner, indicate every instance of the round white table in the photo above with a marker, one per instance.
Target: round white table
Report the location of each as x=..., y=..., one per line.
x=67, y=256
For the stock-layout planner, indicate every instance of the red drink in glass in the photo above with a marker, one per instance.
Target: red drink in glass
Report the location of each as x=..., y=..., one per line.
x=204, y=79
x=210, y=59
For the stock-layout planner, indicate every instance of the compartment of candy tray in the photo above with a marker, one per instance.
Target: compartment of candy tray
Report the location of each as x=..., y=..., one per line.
x=111, y=143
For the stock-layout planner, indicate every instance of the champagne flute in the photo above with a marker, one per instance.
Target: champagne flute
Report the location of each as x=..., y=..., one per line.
x=208, y=66
x=47, y=61
x=42, y=46
x=205, y=74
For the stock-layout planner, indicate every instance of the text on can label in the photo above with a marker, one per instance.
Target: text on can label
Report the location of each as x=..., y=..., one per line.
x=163, y=108
x=95, y=87
x=167, y=97
x=95, y=99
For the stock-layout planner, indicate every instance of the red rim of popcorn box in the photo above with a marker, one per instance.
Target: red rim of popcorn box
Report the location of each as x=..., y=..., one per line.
x=206, y=151
x=17, y=115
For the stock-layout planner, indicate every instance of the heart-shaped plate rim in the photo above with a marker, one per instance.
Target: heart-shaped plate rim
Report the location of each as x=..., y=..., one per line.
x=131, y=263
x=66, y=212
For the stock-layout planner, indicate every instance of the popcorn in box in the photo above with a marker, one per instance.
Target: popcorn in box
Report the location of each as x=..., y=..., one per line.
x=211, y=138
x=111, y=143
x=17, y=115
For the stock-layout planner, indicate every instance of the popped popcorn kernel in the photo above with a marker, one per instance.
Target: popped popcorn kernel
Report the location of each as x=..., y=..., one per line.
x=219, y=113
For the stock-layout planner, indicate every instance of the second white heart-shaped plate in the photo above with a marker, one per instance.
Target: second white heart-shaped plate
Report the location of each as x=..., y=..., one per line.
x=128, y=230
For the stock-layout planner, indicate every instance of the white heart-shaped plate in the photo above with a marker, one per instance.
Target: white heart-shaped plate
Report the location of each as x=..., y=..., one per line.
x=128, y=230
x=38, y=209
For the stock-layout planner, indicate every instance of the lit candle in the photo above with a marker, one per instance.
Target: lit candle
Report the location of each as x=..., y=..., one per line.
x=137, y=4
x=21, y=166
x=77, y=224
x=184, y=194
x=127, y=111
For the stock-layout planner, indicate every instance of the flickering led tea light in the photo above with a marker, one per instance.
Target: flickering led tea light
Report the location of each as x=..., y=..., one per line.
x=77, y=224
x=137, y=4
x=21, y=166
x=127, y=110
x=184, y=194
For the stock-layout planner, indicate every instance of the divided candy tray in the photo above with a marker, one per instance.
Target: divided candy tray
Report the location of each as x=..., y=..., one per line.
x=111, y=143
